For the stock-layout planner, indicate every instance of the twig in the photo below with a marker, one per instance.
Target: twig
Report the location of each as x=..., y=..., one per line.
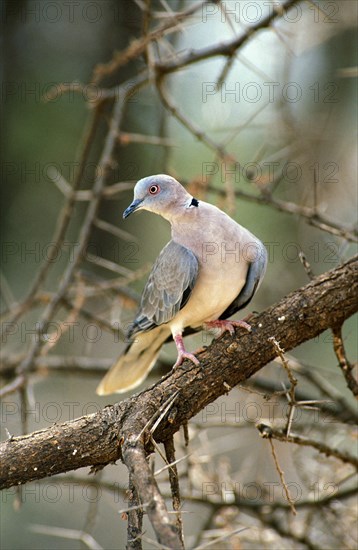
x=170, y=464
x=343, y=362
x=220, y=539
x=158, y=415
x=347, y=412
x=228, y=48
x=62, y=327
x=268, y=431
x=125, y=138
x=138, y=47
x=13, y=386
x=306, y=265
x=114, y=230
x=282, y=477
x=251, y=504
x=135, y=518
x=194, y=129
x=174, y=484
x=282, y=529
x=291, y=393
x=291, y=208
x=108, y=264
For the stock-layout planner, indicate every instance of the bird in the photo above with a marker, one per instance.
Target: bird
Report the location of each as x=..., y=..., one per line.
x=209, y=270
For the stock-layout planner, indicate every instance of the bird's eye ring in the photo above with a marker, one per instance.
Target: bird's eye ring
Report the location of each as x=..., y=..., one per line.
x=154, y=189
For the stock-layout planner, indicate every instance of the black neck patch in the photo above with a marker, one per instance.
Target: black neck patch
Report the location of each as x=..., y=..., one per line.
x=194, y=202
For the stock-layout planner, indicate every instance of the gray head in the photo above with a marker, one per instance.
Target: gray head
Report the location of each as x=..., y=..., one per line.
x=160, y=194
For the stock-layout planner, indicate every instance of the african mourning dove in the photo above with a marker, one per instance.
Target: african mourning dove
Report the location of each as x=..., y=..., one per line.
x=209, y=270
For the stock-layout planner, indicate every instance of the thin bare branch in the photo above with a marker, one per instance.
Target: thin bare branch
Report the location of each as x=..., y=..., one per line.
x=135, y=518
x=268, y=431
x=226, y=49
x=174, y=485
x=343, y=362
x=282, y=476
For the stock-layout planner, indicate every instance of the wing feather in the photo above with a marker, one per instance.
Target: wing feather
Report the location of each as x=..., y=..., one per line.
x=168, y=287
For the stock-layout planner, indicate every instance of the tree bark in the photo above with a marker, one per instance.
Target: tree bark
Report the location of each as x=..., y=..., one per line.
x=104, y=437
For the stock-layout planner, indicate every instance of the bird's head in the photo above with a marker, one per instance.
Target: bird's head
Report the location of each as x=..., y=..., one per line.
x=160, y=194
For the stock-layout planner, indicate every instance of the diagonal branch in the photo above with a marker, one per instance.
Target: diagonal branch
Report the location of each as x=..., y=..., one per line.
x=96, y=440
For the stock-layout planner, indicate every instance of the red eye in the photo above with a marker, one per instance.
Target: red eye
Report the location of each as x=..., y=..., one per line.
x=154, y=189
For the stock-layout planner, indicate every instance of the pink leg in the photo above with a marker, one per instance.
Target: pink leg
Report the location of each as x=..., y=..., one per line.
x=182, y=353
x=226, y=325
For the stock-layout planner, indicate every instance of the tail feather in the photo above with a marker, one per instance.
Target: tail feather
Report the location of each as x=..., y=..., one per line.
x=136, y=362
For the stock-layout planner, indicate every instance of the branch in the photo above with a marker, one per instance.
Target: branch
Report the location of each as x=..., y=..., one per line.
x=96, y=440
x=343, y=361
x=146, y=486
x=226, y=49
x=135, y=519
x=309, y=213
x=138, y=47
x=268, y=432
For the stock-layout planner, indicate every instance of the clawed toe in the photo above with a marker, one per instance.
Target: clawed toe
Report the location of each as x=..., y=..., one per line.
x=186, y=355
x=241, y=324
x=182, y=353
x=228, y=326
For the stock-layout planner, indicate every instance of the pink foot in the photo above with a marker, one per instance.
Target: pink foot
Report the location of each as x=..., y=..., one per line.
x=226, y=326
x=182, y=353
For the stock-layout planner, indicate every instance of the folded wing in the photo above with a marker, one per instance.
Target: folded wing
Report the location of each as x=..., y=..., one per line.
x=255, y=274
x=168, y=288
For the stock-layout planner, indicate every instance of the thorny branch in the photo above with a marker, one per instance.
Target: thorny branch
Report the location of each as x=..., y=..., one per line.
x=343, y=362
x=282, y=477
x=174, y=484
x=135, y=518
x=293, y=383
x=120, y=431
x=305, y=441
x=317, y=306
x=227, y=49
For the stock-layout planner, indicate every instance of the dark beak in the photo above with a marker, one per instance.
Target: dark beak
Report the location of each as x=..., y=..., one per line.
x=131, y=208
